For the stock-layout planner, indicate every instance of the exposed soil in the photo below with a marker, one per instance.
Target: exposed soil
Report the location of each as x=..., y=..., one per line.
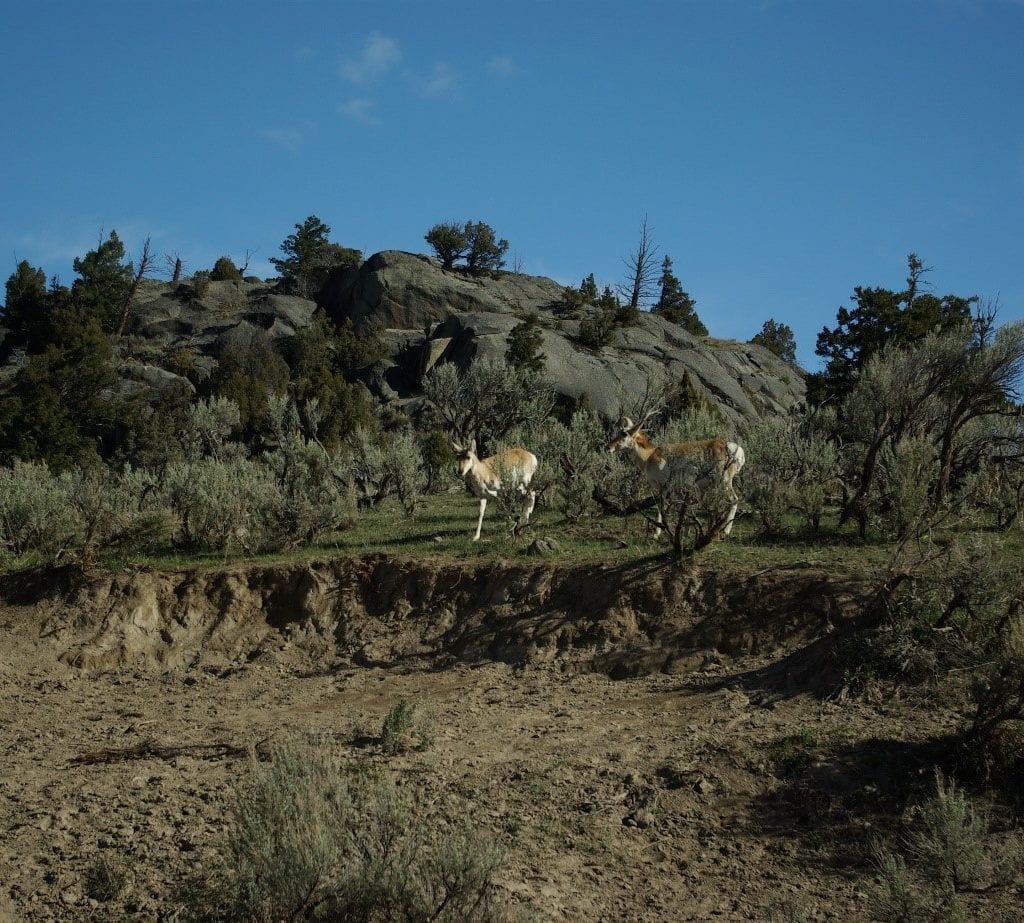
x=619, y=731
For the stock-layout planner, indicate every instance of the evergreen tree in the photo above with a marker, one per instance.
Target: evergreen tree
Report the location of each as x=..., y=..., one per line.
x=450, y=241
x=880, y=316
x=475, y=242
x=524, y=345
x=597, y=328
x=105, y=282
x=675, y=305
x=779, y=339
x=586, y=294
x=310, y=256
x=486, y=252
x=248, y=371
x=55, y=410
x=25, y=311
x=225, y=270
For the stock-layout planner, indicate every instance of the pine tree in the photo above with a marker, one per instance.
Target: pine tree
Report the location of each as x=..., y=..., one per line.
x=310, y=256
x=105, y=282
x=225, y=270
x=675, y=305
x=779, y=339
x=879, y=317
x=486, y=252
x=25, y=313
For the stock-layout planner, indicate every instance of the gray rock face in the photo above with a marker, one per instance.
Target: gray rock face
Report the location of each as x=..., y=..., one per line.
x=166, y=316
x=469, y=317
x=406, y=291
x=429, y=316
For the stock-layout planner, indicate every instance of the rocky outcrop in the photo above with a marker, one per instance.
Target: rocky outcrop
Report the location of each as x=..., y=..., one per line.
x=407, y=291
x=430, y=316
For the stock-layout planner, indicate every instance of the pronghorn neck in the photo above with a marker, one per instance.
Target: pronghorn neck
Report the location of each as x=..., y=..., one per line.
x=480, y=475
x=643, y=447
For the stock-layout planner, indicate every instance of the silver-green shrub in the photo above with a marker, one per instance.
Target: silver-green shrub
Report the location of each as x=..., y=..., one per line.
x=405, y=470
x=487, y=400
x=118, y=510
x=35, y=515
x=906, y=471
x=946, y=853
x=769, y=483
x=795, y=469
x=221, y=505
x=314, y=837
x=1000, y=484
x=571, y=460
x=381, y=465
x=310, y=501
x=363, y=462
x=208, y=425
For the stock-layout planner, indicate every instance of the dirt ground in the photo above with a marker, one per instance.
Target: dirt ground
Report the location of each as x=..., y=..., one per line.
x=621, y=733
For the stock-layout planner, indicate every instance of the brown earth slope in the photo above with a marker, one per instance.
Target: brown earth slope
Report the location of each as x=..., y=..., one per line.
x=618, y=731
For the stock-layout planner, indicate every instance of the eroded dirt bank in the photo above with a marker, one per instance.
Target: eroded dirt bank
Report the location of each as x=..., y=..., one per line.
x=385, y=612
x=612, y=729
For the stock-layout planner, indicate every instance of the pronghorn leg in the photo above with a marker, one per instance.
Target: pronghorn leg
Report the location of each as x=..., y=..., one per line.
x=732, y=510
x=661, y=519
x=529, y=502
x=480, y=521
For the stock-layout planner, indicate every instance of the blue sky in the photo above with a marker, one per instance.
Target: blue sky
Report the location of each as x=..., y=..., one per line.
x=783, y=151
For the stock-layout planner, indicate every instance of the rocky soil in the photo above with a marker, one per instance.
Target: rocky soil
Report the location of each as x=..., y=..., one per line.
x=620, y=732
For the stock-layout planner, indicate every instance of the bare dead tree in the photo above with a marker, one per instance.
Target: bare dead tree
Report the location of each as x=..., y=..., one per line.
x=645, y=406
x=249, y=254
x=644, y=273
x=142, y=270
x=174, y=266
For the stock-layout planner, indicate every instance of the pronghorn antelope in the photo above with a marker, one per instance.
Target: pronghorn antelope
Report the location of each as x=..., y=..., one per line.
x=484, y=476
x=711, y=459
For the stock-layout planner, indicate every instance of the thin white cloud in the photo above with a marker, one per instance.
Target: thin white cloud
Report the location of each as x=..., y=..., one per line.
x=503, y=66
x=379, y=55
x=360, y=109
x=290, y=139
x=442, y=80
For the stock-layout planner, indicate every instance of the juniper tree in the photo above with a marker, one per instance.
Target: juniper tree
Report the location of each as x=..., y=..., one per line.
x=524, y=344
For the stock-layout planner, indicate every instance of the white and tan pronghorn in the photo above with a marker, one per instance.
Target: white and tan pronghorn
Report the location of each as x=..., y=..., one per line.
x=712, y=460
x=484, y=476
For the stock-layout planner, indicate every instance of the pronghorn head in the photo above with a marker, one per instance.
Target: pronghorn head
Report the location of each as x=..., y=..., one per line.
x=624, y=435
x=465, y=457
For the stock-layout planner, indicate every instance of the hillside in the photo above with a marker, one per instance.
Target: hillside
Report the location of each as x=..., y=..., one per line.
x=428, y=316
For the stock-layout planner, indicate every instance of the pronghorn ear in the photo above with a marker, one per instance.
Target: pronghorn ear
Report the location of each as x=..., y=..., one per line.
x=472, y=446
x=627, y=422
x=456, y=448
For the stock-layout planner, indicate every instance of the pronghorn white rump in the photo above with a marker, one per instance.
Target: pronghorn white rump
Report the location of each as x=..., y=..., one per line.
x=713, y=459
x=484, y=476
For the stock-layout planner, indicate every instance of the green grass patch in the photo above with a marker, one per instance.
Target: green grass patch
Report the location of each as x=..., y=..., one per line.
x=444, y=524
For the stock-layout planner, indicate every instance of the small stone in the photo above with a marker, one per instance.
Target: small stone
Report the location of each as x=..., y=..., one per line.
x=644, y=818
x=705, y=787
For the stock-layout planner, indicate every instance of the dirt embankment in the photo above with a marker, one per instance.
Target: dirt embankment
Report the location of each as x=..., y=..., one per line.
x=609, y=728
x=384, y=612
